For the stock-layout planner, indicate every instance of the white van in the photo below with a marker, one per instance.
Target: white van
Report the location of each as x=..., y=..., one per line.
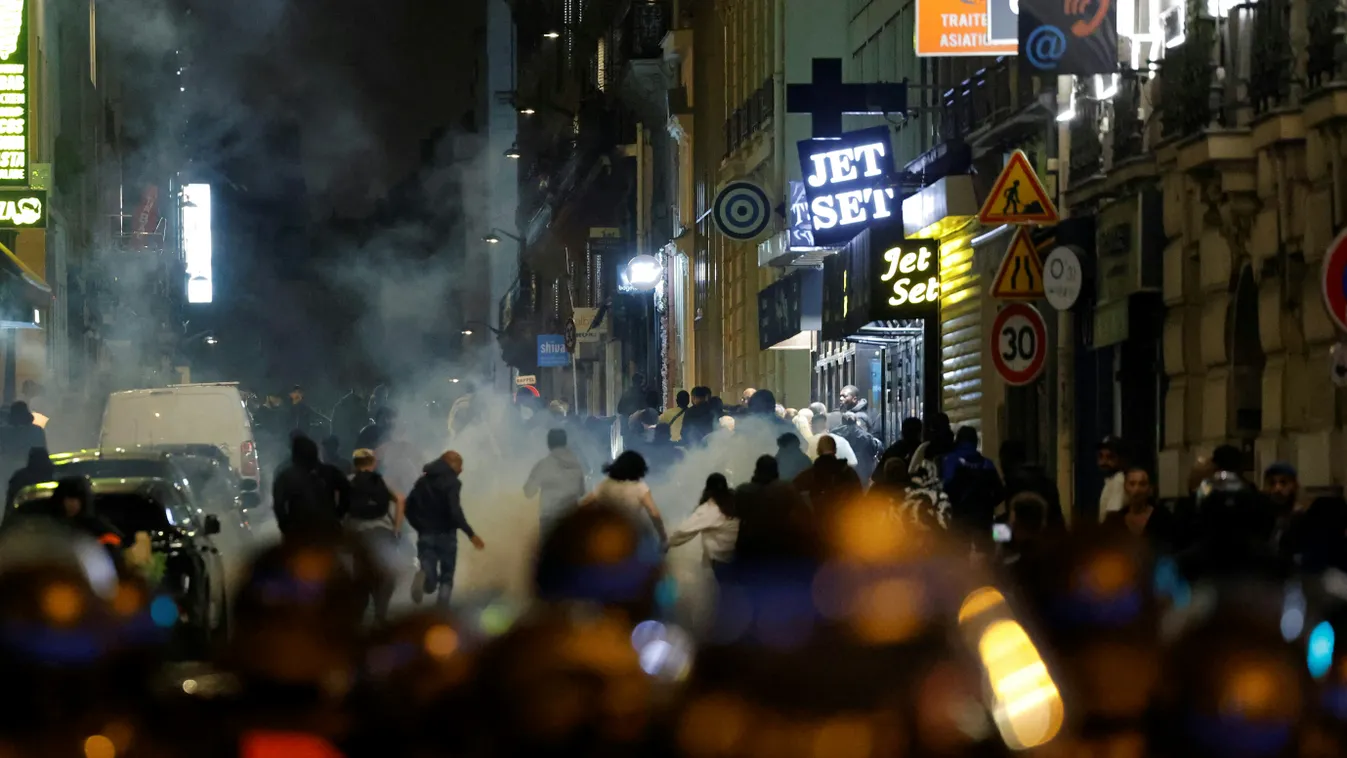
x=183, y=414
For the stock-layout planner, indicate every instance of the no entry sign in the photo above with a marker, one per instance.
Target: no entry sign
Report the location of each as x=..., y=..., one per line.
x=1019, y=343
x=1334, y=284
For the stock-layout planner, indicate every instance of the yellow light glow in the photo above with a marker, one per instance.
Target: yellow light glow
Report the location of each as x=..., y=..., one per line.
x=441, y=641
x=978, y=602
x=99, y=746
x=62, y=603
x=1028, y=707
x=942, y=228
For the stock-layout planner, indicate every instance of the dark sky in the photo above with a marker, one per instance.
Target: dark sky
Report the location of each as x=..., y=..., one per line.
x=363, y=82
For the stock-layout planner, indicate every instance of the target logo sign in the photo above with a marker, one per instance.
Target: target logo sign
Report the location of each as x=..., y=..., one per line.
x=1019, y=344
x=742, y=211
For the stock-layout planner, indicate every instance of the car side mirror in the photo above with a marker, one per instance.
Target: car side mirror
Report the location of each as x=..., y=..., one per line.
x=212, y=525
x=249, y=500
x=248, y=485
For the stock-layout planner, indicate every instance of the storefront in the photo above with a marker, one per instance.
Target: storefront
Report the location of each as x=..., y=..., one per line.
x=882, y=293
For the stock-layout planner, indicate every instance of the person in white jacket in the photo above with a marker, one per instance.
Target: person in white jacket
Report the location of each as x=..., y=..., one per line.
x=714, y=520
x=558, y=480
x=819, y=427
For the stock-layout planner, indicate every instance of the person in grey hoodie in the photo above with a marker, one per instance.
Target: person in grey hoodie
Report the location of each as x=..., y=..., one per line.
x=559, y=478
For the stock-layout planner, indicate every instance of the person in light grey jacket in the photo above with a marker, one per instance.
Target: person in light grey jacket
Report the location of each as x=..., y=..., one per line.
x=559, y=479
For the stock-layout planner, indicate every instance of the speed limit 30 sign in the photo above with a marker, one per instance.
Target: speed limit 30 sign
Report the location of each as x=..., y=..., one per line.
x=1019, y=343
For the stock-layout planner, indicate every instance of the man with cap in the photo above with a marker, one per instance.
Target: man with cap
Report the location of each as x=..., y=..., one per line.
x=1112, y=462
x=1281, y=484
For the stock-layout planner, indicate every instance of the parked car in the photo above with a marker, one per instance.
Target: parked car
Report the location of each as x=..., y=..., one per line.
x=193, y=573
x=185, y=414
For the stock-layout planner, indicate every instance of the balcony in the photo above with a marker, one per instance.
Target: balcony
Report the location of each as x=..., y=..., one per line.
x=647, y=23
x=753, y=114
x=995, y=106
x=1327, y=49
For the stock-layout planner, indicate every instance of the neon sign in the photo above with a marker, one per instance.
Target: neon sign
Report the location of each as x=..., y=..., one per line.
x=13, y=95
x=23, y=209
x=913, y=265
x=906, y=281
x=846, y=181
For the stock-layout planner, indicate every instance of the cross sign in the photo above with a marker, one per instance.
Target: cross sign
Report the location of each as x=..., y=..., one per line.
x=827, y=98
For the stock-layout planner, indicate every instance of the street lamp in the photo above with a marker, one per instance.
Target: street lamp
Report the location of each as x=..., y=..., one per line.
x=211, y=340
x=493, y=237
x=513, y=153
x=552, y=34
x=526, y=111
x=467, y=332
x=643, y=272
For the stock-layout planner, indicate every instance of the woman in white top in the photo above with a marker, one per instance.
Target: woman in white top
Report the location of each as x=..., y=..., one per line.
x=714, y=519
x=625, y=489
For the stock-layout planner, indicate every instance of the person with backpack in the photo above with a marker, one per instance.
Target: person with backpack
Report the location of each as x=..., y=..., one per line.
x=308, y=496
x=674, y=416
x=376, y=513
x=435, y=511
x=974, y=488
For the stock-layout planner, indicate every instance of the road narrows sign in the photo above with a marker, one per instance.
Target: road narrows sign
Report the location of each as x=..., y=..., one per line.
x=1018, y=196
x=1062, y=278
x=1334, y=282
x=1020, y=276
x=1019, y=343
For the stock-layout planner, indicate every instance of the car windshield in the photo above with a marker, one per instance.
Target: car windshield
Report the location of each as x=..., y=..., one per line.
x=129, y=512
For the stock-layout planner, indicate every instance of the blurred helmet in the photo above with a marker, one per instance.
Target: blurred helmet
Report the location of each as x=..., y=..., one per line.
x=297, y=616
x=1232, y=686
x=600, y=555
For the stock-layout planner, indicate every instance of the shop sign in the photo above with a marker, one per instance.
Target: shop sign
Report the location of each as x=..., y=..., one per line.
x=1076, y=37
x=800, y=234
x=906, y=279
x=13, y=94
x=789, y=306
x=847, y=182
x=23, y=209
x=956, y=27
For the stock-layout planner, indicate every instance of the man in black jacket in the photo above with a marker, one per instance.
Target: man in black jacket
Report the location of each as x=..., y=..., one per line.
x=435, y=511
x=308, y=496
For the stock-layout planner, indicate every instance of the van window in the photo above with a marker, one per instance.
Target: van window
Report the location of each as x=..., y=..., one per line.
x=173, y=418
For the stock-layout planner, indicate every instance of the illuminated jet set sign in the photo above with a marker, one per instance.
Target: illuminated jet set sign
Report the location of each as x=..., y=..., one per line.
x=847, y=182
x=23, y=209
x=13, y=94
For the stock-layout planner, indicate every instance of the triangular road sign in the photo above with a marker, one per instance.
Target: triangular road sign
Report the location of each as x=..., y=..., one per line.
x=1018, y=197
x=1020, y=276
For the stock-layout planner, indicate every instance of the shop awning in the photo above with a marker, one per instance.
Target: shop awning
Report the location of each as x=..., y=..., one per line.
x=22, y=292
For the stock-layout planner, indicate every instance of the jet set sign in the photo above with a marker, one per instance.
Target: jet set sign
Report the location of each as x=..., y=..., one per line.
x=847, y=181
x=23, y=209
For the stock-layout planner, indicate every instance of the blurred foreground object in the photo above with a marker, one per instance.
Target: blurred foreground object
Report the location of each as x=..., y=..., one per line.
x=598, y=554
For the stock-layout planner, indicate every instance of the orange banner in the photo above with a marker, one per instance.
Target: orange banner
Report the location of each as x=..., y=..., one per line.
x=955, y=27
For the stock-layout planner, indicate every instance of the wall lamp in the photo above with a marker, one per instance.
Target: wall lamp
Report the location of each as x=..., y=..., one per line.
x=513, y=152
x=551, y=34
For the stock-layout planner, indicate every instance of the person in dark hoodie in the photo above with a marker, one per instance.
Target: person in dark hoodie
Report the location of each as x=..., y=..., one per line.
x=38, y=470
x=791, y=459
x=852, y=402
x=373, y=436
x=309, y=497
x=774, y=523
x=903, y=449
x=435, y=511
x=830, y=482
x=349, y=416
x=1022, y=476
x=558, y=480
x=20, y=436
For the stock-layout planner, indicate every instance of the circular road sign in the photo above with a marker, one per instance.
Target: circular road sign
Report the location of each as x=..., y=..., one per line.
x=742, y=210
x=1334, y=283
x=1062, y=278
x=570, y=335
x=1019, y=343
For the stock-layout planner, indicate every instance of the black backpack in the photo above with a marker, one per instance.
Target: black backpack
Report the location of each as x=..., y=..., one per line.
x=369, y=496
